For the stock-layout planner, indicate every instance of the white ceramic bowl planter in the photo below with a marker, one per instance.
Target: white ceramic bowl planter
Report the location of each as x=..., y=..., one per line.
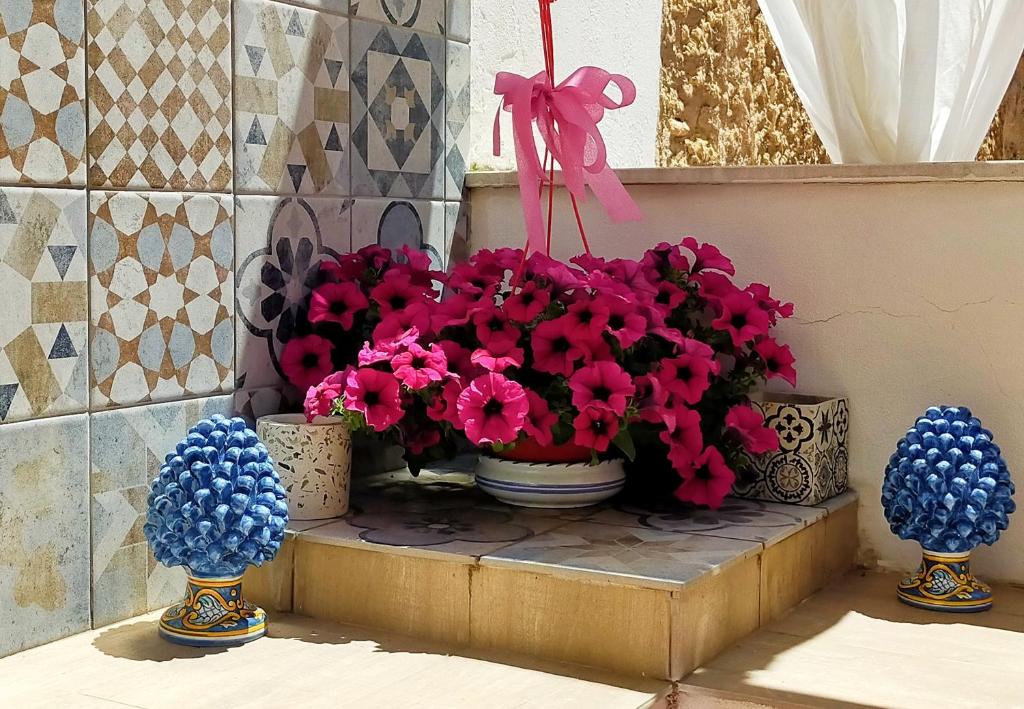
x=551, y=485
x=314, y=461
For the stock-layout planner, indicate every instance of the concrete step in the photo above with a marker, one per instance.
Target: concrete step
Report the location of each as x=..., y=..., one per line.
x=644, y=593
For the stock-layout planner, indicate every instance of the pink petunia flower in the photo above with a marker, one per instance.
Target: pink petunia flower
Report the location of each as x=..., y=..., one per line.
x=492, y=409
x=444, y=406
x=396, y=293
x=587, y=316
x=307, y=360
x=386, y=347
x=320, y=399
x=497, y=363
x=460, y=362
x=337, y=302
x=376, y=395
x=554, y=349
x=683, y=438
x=602, y=384
x=624, y=322
x=741, y=318
x=775, y=308
x=670, y=296
x=454, y=310
x=417, y=367
x=421, y=439
x=749, y=425
x=708, y=481
x=540, y=419
x=494, y=330
x=714, y=286
x=527, y=304
x=415, y=315
x=687, y=376
x=778, y=360
x=595, y=428
x=707, y=256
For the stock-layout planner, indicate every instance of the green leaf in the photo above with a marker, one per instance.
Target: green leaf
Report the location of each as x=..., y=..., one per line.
x=625, y=444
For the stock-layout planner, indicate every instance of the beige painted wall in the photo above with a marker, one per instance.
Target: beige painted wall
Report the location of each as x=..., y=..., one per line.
x=907, y=295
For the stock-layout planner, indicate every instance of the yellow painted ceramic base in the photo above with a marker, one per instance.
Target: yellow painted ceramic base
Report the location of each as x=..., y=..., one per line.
x=944, y=582
x=213, y=612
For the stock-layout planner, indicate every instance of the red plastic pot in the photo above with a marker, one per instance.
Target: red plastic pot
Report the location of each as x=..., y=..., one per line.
x=529, y=451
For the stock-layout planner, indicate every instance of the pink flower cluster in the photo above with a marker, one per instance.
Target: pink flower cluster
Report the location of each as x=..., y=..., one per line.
x=655, y=353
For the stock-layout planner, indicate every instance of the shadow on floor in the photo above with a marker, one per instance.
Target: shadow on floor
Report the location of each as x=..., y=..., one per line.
x=141, y=641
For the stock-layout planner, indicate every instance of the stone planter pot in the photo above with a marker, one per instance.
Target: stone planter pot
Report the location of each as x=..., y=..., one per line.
x=549, y=485
x=314, y=461
x=812, y=462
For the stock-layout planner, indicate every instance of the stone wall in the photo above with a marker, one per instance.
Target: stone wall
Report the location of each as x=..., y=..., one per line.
x=726, y=98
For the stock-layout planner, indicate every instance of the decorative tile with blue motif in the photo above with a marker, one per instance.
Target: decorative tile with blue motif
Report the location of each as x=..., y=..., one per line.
x=397, y=223
x=419, y=15
x=280, y=241
x=397, y=112
x=457, y=120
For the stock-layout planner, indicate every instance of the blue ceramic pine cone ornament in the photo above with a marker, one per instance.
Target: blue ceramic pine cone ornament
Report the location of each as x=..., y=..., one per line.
x=947, y=486
x=217, y=505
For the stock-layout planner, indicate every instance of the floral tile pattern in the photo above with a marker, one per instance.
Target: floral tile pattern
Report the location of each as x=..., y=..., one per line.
x=397, y=112
x=459, y=17
x=43, y=359
x=398, y=223
x=658, y=558
x=456, y=120
x=128, y=446
x=44, y=556
x=765, y=522
x=159, y=92
x=162, y=296
x=420, y=15
x=42, y=92
x=280, y=243
x=291, y=99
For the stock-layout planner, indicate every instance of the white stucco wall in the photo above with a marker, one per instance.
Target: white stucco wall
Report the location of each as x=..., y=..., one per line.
x=907, y=296
x=621, y=36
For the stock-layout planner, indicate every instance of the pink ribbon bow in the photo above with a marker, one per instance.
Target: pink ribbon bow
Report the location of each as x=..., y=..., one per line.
x=567, y=116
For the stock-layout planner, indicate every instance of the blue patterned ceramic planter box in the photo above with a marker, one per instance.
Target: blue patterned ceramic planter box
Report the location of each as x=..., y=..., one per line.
x=812, y=462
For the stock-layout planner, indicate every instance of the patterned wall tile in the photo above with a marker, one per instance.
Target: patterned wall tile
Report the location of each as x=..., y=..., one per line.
x=42, y=92
x=291, y=99
x=280, y=242
x=459, y=18
x=396, y=223
x=162, y=296
x=338, y=7
x=456, y=233
x=44, y=554
x=419, y=15
x=250, y=404
x=43, y=330
x=397, y=112
x=127, y=448
x=456, y=120
x=160, y=94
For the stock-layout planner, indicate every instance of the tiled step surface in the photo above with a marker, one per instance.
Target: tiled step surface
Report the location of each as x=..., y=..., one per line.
x=645, y=592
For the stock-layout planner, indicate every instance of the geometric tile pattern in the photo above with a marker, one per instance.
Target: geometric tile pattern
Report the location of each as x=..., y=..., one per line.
x=44, y=546
x=291, y=100
x=280, y=242
x=162, y=296
x=459, y=18
x=128, y=446
x=456, y=230
x=419, y=15
x=159, y=92
x=397, y=223
x=250, y=404
x=397, y=112
x=457, y=120
x=43, y=328
x=42, y=92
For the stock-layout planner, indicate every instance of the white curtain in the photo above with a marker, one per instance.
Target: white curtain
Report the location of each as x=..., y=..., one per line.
x=896, y=81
